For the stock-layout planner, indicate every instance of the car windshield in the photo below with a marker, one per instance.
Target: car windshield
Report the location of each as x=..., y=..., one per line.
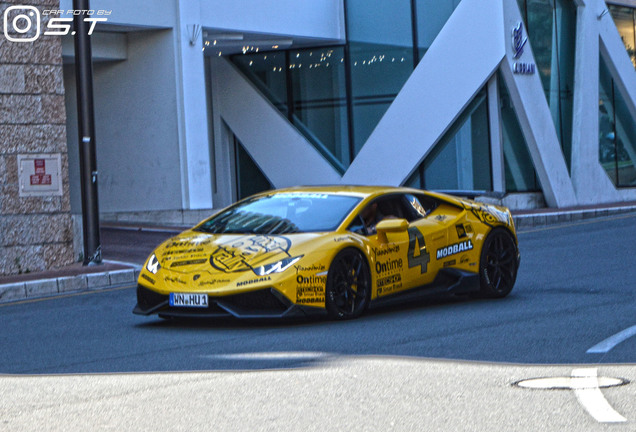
x=282, y=213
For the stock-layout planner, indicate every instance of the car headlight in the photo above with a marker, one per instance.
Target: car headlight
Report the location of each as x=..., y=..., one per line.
x=153, y=264
x=277, y=267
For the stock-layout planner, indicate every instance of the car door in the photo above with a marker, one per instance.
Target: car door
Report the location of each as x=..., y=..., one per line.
x=402, y=252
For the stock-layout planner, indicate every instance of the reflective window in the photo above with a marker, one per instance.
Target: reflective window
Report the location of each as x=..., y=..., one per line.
x=281, y=213
x=551, y=28
x=519, y=170
x=320, y=101
x=336, y=96
x=381, y=50
x=249, y=177
x=461, y=160
x=431, y=17
x=267, y=72
x=625, y=20
x=617, y=132
x=309, y=87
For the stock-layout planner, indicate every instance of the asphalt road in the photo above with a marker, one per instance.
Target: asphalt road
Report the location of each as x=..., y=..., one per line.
x=445, y=363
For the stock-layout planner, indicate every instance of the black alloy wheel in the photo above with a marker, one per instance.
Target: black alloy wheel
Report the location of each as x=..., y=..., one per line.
x=498, y=264
x=348, y=285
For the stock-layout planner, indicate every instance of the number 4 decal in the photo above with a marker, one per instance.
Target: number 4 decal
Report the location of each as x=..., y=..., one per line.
x=423, y=257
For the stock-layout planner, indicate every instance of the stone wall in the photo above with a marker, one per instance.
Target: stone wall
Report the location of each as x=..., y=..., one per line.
x=35, y=231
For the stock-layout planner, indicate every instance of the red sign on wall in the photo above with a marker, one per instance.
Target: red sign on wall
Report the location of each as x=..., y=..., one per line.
x=40, y=177
x=40, y=174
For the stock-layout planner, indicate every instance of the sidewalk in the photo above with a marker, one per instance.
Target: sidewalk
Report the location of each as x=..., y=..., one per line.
x=69, y=279
x=548, y=216
x=113, y=274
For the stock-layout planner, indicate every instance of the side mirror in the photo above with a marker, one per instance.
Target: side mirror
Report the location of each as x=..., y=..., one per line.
x=390, y=225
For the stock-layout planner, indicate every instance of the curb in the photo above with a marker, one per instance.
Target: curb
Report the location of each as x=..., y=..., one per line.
x=532, y=220
x=28, y=290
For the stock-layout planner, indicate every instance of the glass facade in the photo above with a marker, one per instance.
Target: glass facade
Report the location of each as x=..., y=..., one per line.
x=268, y=72
x=249, y=177
x=551, y=28
x=461, y=160
x=337, y=95
x=319, y=101
x=380, y=43
x=308, y=87
x=617, y=132
x=625, y=20
x=519, y=170
x=431, y=17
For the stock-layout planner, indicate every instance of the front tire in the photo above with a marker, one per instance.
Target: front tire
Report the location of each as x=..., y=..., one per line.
x=498, y=264
x=348, y=290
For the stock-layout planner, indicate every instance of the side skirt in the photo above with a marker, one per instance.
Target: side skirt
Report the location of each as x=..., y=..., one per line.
x=448, y=281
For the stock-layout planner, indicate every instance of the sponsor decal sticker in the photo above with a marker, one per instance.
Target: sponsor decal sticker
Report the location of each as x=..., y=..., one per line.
x=236, y=256
x=148, y=278
x=388, y=289
x=188, y=262
x=303, y=195
x=253, y=281
x=461, y=231
x=311, y=268
x=488, y=214
x=214, y=282
x=388, y=266
x=388, y=250
x=389, y=280
x=454, y=249
x=310, y=289
x=174, y=280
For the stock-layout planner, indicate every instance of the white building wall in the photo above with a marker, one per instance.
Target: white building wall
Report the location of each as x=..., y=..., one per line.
x=322, y=19
x=134, y=13
x=135, y=126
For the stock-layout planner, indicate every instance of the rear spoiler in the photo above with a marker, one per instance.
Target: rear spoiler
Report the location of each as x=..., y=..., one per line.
x=470, y=194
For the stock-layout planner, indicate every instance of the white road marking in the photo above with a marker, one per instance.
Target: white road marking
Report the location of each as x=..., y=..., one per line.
x=592, y=399
x=612, y=341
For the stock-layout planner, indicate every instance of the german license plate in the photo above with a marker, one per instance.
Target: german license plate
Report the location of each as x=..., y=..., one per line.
x=189, y=300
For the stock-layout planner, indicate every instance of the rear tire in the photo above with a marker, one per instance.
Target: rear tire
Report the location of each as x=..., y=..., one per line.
x=498, y=264
x=348, y=290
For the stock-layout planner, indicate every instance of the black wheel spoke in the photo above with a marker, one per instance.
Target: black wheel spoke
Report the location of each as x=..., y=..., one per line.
x=499, y=263
x=347, y=286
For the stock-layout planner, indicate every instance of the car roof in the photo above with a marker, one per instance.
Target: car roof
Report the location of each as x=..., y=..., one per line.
x=365, y=192
x=352, y=190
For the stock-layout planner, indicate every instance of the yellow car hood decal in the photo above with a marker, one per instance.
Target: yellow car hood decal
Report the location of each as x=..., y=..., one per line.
x=225, y=253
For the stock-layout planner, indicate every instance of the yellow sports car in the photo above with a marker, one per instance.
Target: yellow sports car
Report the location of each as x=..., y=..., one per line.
x=334, y=250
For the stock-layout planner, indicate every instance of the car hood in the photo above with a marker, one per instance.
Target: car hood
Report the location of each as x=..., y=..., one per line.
x=193, y=251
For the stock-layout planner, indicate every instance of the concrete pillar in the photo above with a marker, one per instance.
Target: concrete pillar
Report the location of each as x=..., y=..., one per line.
x=192, y=110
